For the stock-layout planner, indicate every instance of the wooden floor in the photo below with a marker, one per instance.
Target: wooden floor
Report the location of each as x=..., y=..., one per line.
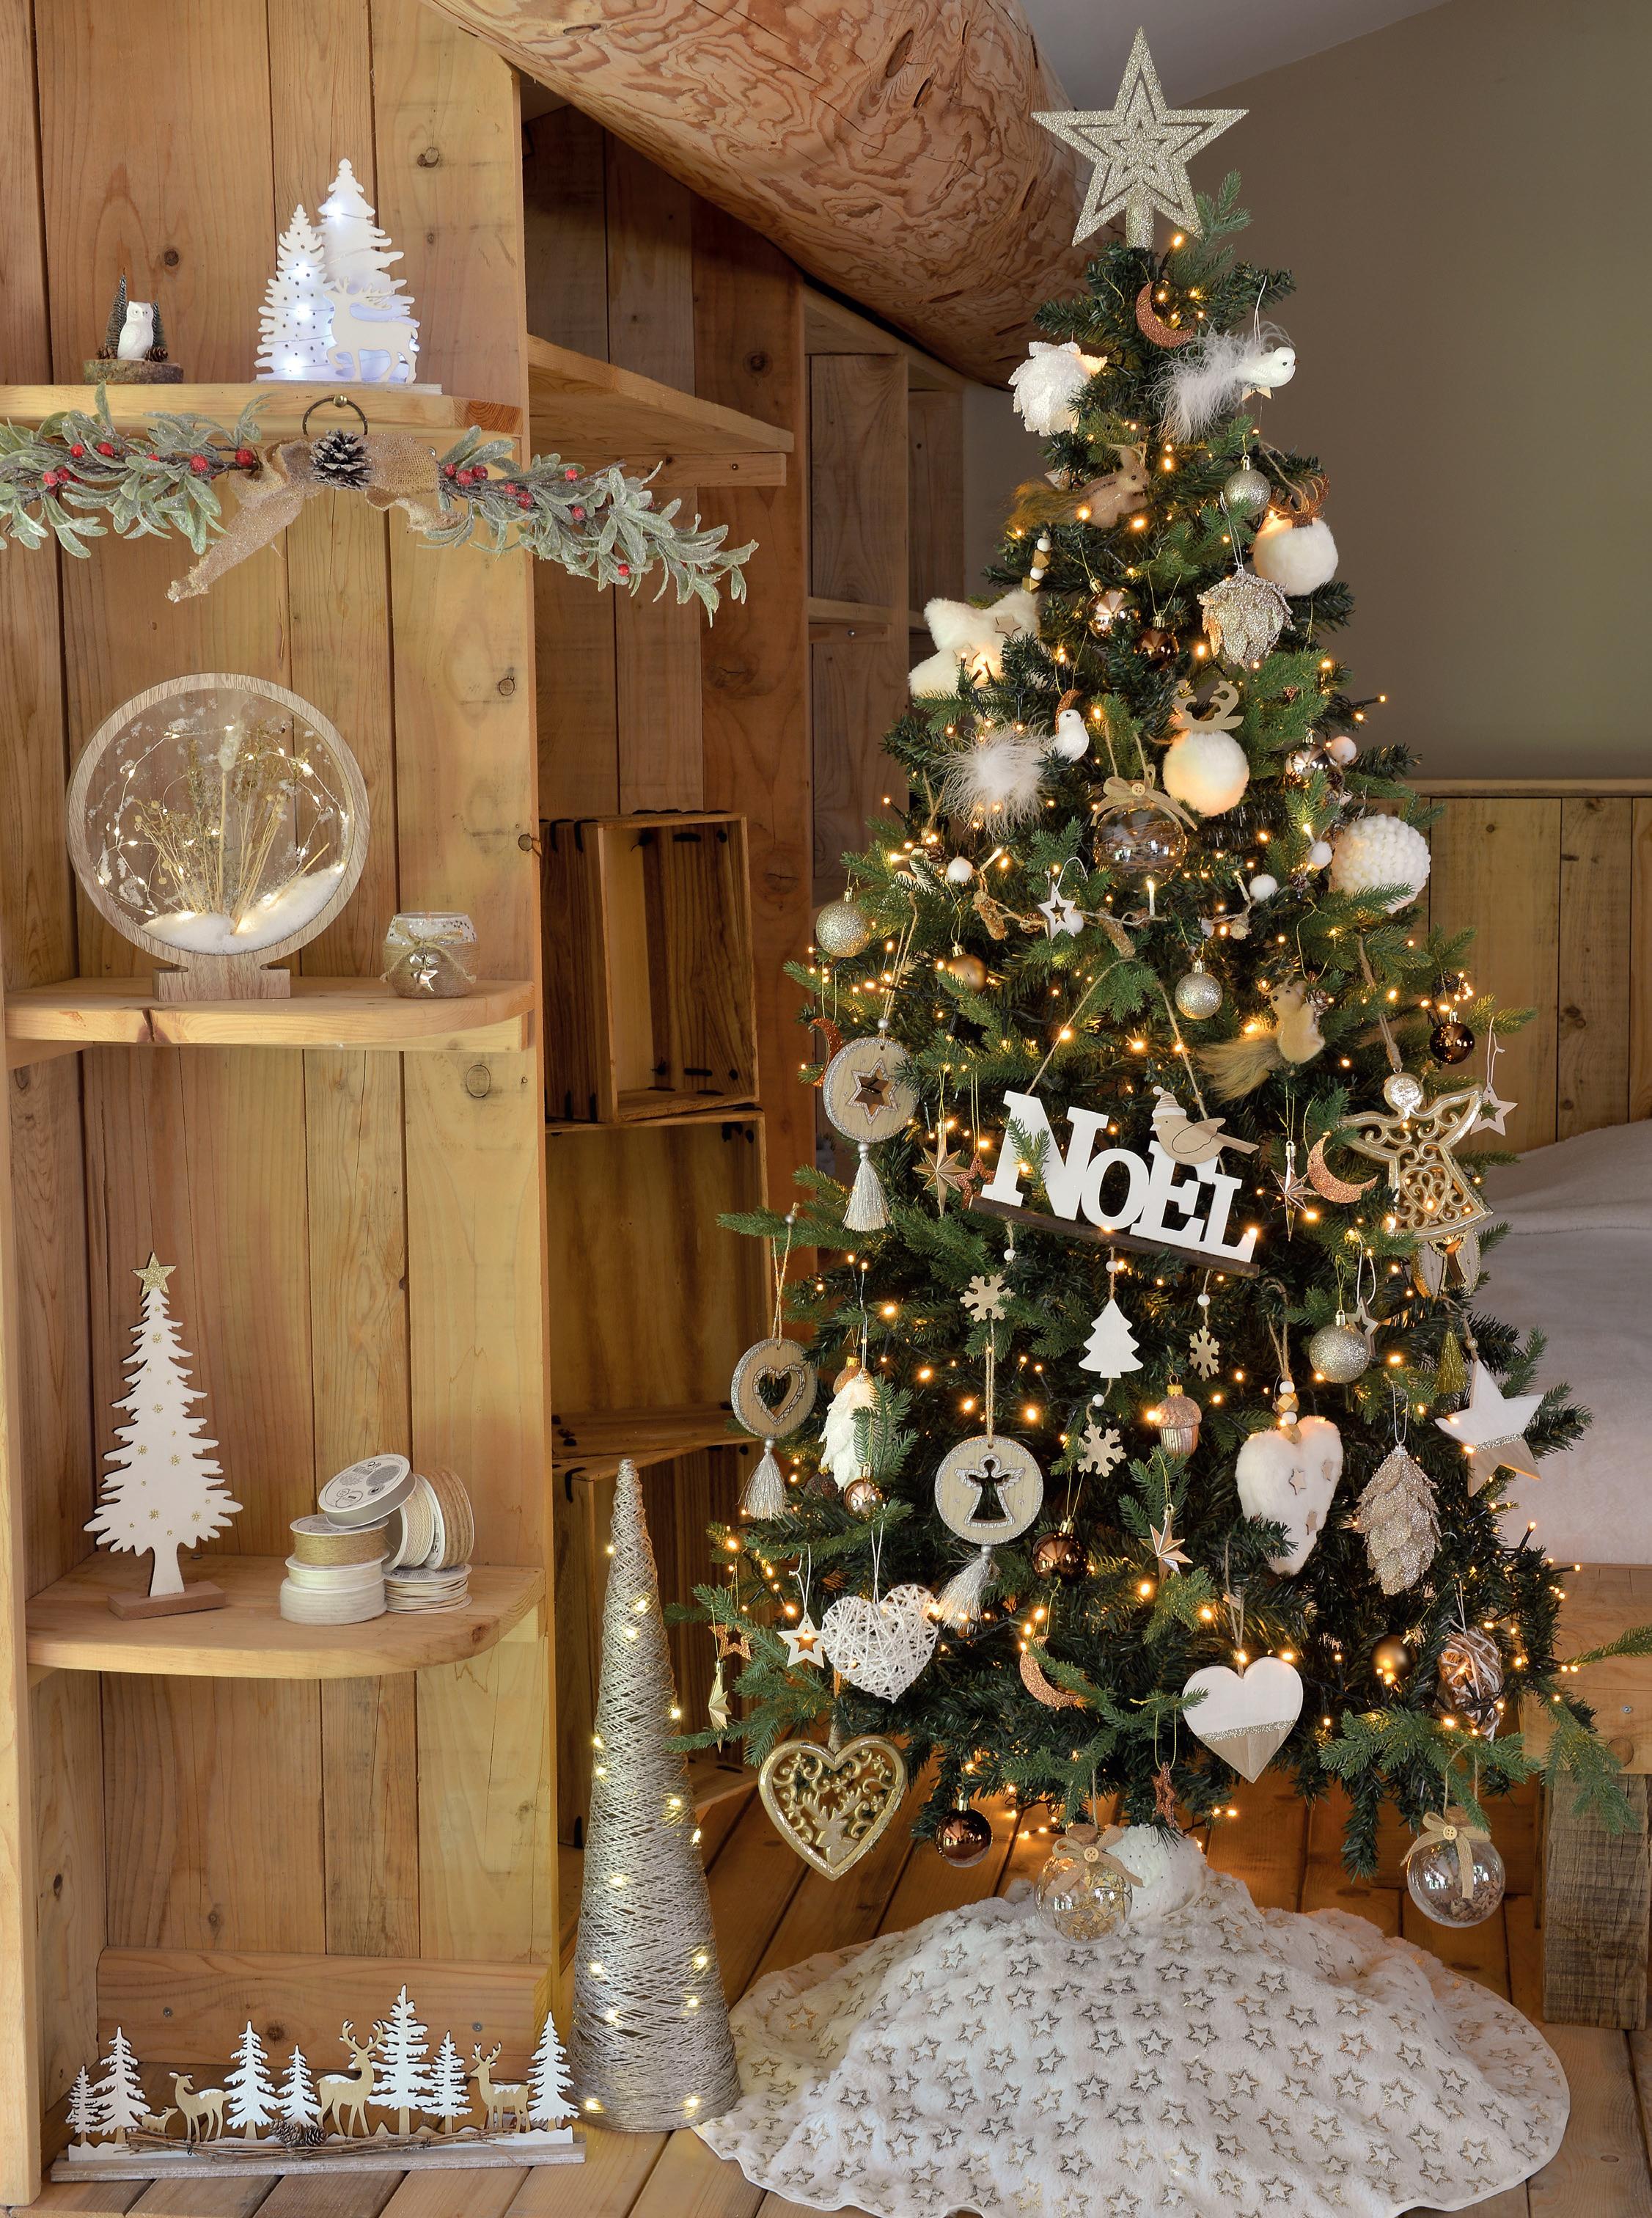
x=771, y=1912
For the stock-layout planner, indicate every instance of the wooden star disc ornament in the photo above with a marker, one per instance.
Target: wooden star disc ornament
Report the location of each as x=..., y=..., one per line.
x=1431, y=1197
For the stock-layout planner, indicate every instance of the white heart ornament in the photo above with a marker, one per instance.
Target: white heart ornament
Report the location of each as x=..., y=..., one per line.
x=1246, y=1721
x=1291, y=1483
x=881, y=1646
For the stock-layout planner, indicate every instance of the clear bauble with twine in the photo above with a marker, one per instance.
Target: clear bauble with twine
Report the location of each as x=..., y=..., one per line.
x=650, y=2048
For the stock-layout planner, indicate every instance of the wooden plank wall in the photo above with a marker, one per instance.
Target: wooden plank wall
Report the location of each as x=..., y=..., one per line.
x=1557, y=888
x=359, y=1245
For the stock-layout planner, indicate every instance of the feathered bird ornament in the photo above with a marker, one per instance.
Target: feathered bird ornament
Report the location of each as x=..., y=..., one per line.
x=1238, y=1067
x=1208, y=380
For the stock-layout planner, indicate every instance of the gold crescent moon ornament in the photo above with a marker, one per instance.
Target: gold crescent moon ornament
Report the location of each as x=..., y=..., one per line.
x=833, y=1040
x=1043, y=1688
x=1153, y=327
x=1324, y=1180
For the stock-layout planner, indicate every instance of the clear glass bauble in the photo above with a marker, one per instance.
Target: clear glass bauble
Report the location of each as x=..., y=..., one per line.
x=1433, y=1879
x=1081, y=1894
x=1141, y=843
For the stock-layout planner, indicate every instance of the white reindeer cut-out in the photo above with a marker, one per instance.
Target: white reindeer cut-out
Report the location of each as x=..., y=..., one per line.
x=508, y=2098
x=199, y=2110
x=374, y=341
x=346, y=2095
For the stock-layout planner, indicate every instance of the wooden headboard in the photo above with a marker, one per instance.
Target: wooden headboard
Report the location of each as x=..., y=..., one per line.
x=1555, y=878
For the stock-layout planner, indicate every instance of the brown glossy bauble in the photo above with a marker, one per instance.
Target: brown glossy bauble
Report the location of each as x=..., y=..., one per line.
x=1059, y=1556
x=1155, y=643
x=1450, y=1042
x=968, y=969
x=863, y=1498
x=963, y=1837
x=1390, y=1660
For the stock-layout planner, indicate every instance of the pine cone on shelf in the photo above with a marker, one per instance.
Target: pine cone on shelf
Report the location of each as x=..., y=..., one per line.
x=340, y=458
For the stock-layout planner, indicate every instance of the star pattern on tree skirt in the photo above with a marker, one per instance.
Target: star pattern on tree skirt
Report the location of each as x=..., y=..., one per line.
x=802, y=1643
x=985, y=1296
x=1141, y=148
x=1100, y=1448
x=1166, y=1547
x=1490, y=1427
x=1204, y=1349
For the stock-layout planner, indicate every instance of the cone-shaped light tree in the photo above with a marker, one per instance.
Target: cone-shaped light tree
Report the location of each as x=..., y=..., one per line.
x=650, y=2047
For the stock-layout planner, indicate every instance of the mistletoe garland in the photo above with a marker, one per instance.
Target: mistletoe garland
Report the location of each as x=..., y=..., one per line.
x=78, y=478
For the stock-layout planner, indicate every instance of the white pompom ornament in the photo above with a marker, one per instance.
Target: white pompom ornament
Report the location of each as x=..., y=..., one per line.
x=1341, y=750
x=998, y=781
x=1319, y=854
x=1299, y=558
x=1049, y=382
x=1170, y=1869
x=1206, y=771
x=961, y=869
x=1379, y=850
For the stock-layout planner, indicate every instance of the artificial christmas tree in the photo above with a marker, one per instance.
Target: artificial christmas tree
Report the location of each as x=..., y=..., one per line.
x=165, y=1492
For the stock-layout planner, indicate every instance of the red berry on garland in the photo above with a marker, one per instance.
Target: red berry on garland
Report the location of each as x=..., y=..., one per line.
x=449, y=469
x=246, y=456
x=78, y=448
x=106, y=446
x=200, y=465
x=578, y=514
x=622, y=569
x=524, y=500
x=570, y=475
x=48, y=478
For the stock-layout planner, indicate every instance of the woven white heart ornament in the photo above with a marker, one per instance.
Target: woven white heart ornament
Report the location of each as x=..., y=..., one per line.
x=1246, y=1721
x=881, y=1646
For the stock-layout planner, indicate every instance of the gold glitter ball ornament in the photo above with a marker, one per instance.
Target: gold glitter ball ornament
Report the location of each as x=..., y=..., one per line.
x=1247, y=493
x=1083, y=1891
x=1196, y=993
x=843, y=930
x=1244, y=616
x=1339, y=1352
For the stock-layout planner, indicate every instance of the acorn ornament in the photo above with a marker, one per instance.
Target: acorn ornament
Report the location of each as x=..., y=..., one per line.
x=1339, y=1352
x=1196, y=993
x=843, y=930
x=963, y=1837
x=1176, y=1419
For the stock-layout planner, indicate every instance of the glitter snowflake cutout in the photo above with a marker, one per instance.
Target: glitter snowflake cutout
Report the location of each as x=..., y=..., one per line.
x=1204, y=1349
x=1101, y=1449
x=985, y=1296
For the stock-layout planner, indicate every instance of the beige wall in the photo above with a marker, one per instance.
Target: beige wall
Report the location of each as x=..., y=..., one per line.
x=1463, y=198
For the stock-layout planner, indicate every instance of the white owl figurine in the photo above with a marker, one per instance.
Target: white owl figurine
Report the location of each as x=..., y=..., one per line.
x=137, y=332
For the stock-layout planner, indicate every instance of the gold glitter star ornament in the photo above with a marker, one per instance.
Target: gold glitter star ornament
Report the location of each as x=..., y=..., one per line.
x=1141, y=149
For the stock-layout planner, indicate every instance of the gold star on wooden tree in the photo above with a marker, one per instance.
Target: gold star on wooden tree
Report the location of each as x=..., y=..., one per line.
x=1167, y=1544
x=1141, y=149
x=153, y=1276
x=1431, y=1197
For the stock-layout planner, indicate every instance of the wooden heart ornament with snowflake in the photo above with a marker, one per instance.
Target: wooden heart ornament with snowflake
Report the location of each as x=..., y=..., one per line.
x=881, y=1646
x=832, y=1805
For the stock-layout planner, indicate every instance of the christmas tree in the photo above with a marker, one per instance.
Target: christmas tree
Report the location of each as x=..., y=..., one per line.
x=82, y=2108
x=165, y=1491
x=1145, y=932
x=359, y=253
x=448, y=2096
x=119, y=2095
x=298, y=2106
x=548, y=2107
x=296, y=320
x=249, y=2086
x=404, y=2081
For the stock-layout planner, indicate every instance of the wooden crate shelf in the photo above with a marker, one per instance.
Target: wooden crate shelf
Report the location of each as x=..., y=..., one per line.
x=592, y=1443
x=649, y=1005
x=841, y=619
x=594, y=412
x=71, y=1628
x=321, y=1012
x=281, y=407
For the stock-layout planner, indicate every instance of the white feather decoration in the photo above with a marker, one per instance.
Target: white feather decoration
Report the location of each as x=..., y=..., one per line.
x=999, y=780
x=1048, y=383
x=1299, y=558
x=1209, y=378
x=838, y=1456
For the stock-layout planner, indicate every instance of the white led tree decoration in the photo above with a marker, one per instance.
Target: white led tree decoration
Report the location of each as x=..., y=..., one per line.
x=295, y=325
x=165, y=1491
x=335, y=313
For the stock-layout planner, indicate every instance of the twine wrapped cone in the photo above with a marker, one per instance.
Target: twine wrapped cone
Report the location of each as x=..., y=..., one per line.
x=650, y=2048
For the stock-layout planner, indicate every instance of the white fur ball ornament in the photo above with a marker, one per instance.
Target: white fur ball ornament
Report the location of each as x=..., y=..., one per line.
x=1379, y=850
x=1049, y=382
x=1170, y=1869
x=1206, y=771
x=1299, y=558
x=998, y=780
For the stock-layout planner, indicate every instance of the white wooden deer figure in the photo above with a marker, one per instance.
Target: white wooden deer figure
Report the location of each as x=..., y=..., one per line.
x=373, y=339
x=508, y=2099
x=208, y=2104
x=346, y=2094
x=156, y=2122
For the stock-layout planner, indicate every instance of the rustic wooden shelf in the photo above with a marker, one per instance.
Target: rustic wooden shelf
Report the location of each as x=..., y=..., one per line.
x=281, y=407
x=592, y=1443
x=830, y=620
x=594, y=412
x=71, y=1628
x=360, y=1013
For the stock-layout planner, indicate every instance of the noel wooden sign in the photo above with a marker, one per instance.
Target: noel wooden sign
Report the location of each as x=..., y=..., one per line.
x=1176, y=1196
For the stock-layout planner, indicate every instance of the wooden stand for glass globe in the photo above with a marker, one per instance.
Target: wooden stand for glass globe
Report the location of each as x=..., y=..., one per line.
x=224, y=978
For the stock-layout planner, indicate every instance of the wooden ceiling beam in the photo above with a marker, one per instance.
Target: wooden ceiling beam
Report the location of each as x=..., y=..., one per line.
x=886, y=146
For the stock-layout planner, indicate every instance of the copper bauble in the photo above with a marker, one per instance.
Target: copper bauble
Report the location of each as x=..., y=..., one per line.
x=963, y=1837
x=1141, y=843
x=968, y=969
x=1450, y=1042
x=1059, y=1556
x=863, y=1497
x=1157, y=644
x=843, y=929
x=1390, y=1660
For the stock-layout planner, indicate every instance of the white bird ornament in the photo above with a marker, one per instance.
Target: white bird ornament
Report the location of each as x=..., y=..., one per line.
x=1211, y=378
x=1072, y=740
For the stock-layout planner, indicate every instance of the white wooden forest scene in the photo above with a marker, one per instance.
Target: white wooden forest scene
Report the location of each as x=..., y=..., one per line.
x=399, y=2101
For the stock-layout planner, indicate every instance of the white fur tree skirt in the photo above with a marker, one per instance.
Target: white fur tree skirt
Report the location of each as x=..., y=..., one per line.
x=1219, y=2061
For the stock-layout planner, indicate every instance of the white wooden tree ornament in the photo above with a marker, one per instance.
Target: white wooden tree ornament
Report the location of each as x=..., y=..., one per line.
x=83, y=2109
x=449, y=2097
x=298, y=2106
x=549, y=2110
x=250, y=2090
x=333, y=313
x=165, y=1491
x=119, y=2095
x=404, y=2084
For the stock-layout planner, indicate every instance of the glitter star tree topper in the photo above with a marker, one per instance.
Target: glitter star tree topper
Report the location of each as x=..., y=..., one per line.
x=1140, y=150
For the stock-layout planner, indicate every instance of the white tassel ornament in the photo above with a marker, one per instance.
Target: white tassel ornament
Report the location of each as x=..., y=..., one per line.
x=1049, y=382
x=958, y=1605
x=868, y=1207
x=765, y=1490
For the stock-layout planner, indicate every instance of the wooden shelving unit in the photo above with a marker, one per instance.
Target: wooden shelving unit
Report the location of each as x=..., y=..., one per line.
x=281, y=407
x=71, y=1628
x=591, y=1444
x=596, y=412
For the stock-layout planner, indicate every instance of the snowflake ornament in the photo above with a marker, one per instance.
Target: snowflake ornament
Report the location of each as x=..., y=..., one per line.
x=985, y=1296
x=1203, y=1350
x=1101, y=1448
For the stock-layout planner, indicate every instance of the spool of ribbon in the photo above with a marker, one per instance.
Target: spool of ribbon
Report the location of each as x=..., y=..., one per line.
x=1451, y=1828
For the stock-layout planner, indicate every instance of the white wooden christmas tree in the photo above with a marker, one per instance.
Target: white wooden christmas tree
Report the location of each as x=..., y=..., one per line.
x=83, y=2109
x=298, y=2106
x=1110, y=1348
x=295, y=325
x=450, y=2090
x=250, y=2088
x=403, y=2081
x=119, y=2095
x=549, y=2110
x=165, y=1491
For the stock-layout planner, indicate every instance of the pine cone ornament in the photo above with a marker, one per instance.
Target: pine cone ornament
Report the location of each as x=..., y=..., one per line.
x=340, y=458
x=1397, y=1515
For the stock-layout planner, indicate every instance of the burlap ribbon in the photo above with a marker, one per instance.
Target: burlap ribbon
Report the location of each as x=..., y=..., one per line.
x=404, y=472
x=1451, y=1828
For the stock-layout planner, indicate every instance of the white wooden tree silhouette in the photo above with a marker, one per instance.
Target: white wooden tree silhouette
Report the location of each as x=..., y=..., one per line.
x=83, y=2109
x=450, y=2090
x=403, y=2086
x=548, y=2106
x=374, y=332
x=1110, y=1348
x=118, y=2094
x=299, y=2105
x=295, y=325
x=164, y=1492
x=251, y=2091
